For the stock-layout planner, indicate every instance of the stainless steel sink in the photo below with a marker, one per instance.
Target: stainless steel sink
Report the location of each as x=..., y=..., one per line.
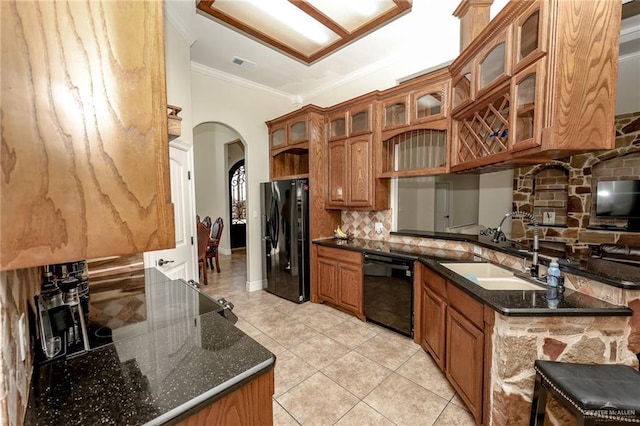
x=491, y=277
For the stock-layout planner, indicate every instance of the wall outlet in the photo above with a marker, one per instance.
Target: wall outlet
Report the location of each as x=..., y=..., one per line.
x=22, y=338
x=477, y=250
x=378, y=228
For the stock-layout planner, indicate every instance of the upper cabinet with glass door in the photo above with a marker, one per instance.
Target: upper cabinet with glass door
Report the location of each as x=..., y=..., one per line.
x=556, y=72
x=352, y=118
x=493, y=66
x=530, y=35
x=289, y=141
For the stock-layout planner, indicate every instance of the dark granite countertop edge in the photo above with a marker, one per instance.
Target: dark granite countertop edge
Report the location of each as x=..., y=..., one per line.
x=216, y=393
x=507, y=248
x=487, y=297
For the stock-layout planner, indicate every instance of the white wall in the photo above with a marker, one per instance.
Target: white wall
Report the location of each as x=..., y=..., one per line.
x=244, y=111
x=628, y=92
x=178, y=75
x=496, y=199
x=464, y=200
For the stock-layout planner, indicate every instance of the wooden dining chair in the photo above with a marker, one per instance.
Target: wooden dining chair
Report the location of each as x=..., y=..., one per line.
x=214, y=241
x=203, y=241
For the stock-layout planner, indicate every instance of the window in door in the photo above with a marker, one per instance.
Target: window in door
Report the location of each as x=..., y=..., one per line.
x=238, y=194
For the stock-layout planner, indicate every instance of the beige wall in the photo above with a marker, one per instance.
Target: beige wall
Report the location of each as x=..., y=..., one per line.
x=211, y=174
x=627, y=99
x=243, y=110
x=496, y=199
x=178, y=66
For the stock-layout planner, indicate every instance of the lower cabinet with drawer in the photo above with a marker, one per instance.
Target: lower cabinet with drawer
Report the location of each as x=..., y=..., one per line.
x=456, y=330
x=338, y=279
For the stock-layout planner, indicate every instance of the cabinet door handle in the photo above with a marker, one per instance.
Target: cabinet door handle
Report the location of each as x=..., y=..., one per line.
x=162, y=262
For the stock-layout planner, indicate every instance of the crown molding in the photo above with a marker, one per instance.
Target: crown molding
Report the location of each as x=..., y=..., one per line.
x=229, y=78
x=171, y=15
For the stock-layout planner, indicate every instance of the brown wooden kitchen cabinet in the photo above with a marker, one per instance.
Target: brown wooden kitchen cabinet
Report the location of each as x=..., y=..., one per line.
x=353, y=153
x=465, y=348
x=291, y=139
x=434, y=315
x=456, y=330
x=85, y=155
x=516, y=99
x=415, y=126
x=339, y=279
x=249, y=405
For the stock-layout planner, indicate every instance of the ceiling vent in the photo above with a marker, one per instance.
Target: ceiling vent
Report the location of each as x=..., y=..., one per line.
x=243, y=63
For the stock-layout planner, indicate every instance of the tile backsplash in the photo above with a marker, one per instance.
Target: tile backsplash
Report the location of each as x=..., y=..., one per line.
x=17, y=288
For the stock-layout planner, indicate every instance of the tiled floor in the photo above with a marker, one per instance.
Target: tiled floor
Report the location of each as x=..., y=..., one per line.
x=333, y=369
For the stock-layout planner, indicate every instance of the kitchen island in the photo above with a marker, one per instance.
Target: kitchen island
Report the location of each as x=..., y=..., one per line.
x=172, y=359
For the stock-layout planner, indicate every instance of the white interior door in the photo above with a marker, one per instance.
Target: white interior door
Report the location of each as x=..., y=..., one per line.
x=181, y=259
x=442, y=206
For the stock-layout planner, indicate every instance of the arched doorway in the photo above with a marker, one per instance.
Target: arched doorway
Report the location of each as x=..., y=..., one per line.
x=237, y=205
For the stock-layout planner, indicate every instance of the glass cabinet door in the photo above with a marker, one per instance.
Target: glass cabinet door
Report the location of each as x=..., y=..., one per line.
x=360, y=122
x=527, y=95
x=462, y=90
x=530, y=43
x=428, y=105
x=338, y=127
x=395, y=114
x=493, y=65
x=278, y=138
x=298, y=131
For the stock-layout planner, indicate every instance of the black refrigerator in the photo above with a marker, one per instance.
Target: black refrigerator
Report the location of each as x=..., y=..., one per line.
x=285, y=238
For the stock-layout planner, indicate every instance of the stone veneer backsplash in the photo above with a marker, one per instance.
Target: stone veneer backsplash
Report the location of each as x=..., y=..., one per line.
x=17, y=288
x=582, y=172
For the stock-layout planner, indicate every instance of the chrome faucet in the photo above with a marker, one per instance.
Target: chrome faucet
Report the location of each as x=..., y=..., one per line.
x=499, y=236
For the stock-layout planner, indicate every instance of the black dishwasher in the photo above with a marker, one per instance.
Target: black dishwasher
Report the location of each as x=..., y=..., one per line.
x=388, y=292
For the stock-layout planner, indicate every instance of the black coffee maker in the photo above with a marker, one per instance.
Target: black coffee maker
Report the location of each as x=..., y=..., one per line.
x=63, y=311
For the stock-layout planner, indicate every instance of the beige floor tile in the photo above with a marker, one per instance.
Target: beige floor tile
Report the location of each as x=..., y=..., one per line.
x=422, y=370
x=356, y=373
x=458, y=401
x=328, y=403
x=319, y=351
x=290, y=371
x=404, y=402
x=361, y=415
x=281, y=417
x=455, y=416
x=385, y=351
x=264, y=320
x=271, y=345
x=350, y=334
x=289, y=333
x=247, y=328
x=322, y=321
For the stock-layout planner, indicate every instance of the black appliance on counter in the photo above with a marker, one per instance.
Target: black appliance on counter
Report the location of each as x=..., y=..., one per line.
x=285, y=235
x=388, y=292
x=63, y=311
x=69, y=323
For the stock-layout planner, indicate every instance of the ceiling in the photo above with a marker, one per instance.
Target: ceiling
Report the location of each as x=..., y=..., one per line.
x=425, y=37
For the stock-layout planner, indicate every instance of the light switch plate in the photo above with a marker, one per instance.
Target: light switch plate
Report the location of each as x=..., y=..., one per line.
x=477, y=250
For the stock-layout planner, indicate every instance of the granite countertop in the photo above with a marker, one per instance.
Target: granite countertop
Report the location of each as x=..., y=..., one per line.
x=176, y=360
x=506, y=302
x=612, y=273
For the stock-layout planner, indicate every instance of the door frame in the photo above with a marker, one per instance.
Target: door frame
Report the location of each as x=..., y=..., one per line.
x=447, y=186
x=151, y=257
